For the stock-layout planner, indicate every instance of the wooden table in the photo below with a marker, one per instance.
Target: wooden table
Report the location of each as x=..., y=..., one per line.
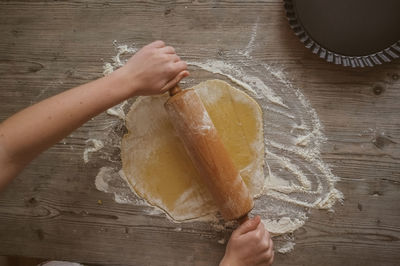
x=51, y=210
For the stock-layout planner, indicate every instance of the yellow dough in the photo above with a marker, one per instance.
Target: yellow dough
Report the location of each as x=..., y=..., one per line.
x=155, y=162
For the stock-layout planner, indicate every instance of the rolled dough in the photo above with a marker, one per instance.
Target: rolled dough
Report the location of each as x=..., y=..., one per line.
x=155, y=162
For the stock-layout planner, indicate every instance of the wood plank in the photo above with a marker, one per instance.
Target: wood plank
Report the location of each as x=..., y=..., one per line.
x=51, y=210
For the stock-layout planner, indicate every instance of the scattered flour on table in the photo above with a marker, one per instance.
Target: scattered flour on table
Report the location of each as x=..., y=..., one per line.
x=221, y=241
x=297, y=179
x=123, y=53
x=93, y=145
x=250, y=45
x=118, y=110
x=286, y=247
x=120, y=59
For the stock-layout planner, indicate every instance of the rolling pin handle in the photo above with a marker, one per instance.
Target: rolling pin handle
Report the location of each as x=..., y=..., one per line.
x=175, y=90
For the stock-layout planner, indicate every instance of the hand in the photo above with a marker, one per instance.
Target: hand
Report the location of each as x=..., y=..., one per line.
x=154, y=69
x=250, y=244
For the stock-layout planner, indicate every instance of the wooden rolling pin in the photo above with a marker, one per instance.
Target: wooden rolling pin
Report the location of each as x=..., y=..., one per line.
x=208, y=154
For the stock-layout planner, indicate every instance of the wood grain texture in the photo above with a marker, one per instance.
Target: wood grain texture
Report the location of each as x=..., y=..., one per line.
x=51, y=210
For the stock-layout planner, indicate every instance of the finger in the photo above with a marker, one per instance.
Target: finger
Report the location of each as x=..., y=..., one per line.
x=249, y=225
x=271, y=259
x=157, y=44
x=172, y=83
x=271, y=244
x=268, y=237
x=269, y=252
x=180, y=66
x=177, y=59
x=261, y=230
x=257, y=236
x=174, y=58
x=168, y=50
x=267, y=234
x=264, y=258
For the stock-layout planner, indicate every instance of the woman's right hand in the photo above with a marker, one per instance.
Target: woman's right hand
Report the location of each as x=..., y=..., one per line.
x=154, y=69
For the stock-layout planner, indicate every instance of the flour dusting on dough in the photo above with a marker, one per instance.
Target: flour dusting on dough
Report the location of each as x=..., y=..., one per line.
x=297, y=180
x=293, y=136
x=109, y=180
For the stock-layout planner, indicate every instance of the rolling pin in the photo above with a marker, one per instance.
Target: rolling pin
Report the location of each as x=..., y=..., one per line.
x=208, y=154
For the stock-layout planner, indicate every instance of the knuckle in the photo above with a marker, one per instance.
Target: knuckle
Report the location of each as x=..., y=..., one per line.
x=152, y=51
x=170, y=68
x=172, y=49
x=181, y=66
x=235, y=235
x=262, y=227
x=265, y=243
x=265, y=258
x=271, y=260
x=163, y=57
x=259, y=236
x=173, y=58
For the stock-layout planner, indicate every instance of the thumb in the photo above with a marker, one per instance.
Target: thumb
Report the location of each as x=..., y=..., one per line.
x=248, y=226
x=172, y=83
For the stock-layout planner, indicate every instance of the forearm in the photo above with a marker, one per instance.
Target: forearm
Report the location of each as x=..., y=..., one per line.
x=153, y=70
x=26, y=134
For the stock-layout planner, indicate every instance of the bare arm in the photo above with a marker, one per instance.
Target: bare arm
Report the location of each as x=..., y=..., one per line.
x=23, y=136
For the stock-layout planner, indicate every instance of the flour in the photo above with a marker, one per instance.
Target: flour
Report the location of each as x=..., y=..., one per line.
x=221, y=241
x=110, y=180
x=118, y=60
x=286, y=247
x=249, y=83
x=96, y=146
x=298, y=180
x=250, y=45
x=301, y=178
x=118, y=110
